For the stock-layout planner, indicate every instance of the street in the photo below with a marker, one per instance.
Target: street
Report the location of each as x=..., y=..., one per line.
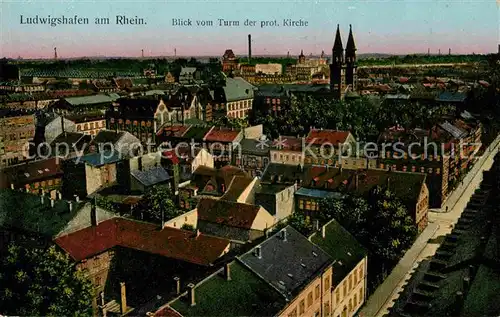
x=440, y=224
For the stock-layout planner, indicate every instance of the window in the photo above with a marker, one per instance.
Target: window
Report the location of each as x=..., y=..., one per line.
x=361, y=294
x=337, y=296
x=327, y=309
x=355, y=300
x=301, y=204
x=293, y=313
x=355, y=276
x=327, y=284
x=308, y=205
x=302, y=307
x=344, y=289
x=309, y=299
x=316, y=292
x=350, y=304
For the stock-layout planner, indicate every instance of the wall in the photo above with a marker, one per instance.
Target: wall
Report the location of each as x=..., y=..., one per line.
x=203, y=158
x=91, y=127
x=269, y=69
x=287, y=157
x=316, y=304
x=263, y=220
x=285, y=203
x=254, y=133
x=248, y=195
x=342, y=296
x=190, y=218
x=93, y=177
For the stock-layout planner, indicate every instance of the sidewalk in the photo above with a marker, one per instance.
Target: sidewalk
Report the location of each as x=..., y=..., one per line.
x=385, y=290
x=454, y=197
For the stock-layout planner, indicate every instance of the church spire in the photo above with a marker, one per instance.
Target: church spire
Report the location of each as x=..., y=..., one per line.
x=350, y=46
x=337, y=45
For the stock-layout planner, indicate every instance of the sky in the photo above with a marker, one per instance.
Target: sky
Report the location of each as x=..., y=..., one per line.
x=379, y=26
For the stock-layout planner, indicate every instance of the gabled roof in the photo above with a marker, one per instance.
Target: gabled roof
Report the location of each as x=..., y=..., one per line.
x=455, y=131
x=229, y=54
x=245, y=295
x=169, y=242
x=30, y=172
x=152, y=176
x=448, y=96
x=238, y=89
x=288, y=143
x=219, y=134
x=342, y=247
x=228, y=213
x=236, y=187
x=108, y=136
x=25, y=212
x=100, y=159
x=89, y=100
x=287, y=264
x=406, y=186
x=320, y=137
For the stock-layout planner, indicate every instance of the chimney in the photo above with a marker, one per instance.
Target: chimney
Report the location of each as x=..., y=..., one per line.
x=62, y=125
x=123, y=298
x=12, y=186
x=466, y=283
x=93, y=213
x=52, y=201
x=471, y=270
x=59, y=195
x=227, y=272
x=323, y=231
x=77, y=198
x=191, y=295
x=357, y=181
x=177, y=285
x=316, y=225
x=459, y=301
x=139, y=163
x=249, y=47
x=42, y=199
x=283, y=234
x=257, y=252
x=70, y=205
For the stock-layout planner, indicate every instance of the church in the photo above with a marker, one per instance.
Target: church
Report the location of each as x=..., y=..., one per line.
x=343, y=76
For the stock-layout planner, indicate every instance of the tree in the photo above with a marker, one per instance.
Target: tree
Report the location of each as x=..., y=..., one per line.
x=158, y=201
x=301, y=223
x=352, y=212
x=42, y=282
x=391, y=228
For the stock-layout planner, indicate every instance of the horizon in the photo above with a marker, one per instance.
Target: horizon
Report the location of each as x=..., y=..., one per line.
x=466, y=27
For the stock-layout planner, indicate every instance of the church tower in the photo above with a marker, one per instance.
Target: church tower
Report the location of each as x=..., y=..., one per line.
x=337, y=82
x=351, y=66
x=302, y=57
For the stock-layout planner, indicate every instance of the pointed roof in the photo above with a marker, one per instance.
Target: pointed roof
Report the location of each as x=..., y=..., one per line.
x=337, y=46
x=350, y=41
x=301, y=53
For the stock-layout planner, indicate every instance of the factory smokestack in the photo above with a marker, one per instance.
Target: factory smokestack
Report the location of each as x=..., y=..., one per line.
x=249, y=47
x=55, y=52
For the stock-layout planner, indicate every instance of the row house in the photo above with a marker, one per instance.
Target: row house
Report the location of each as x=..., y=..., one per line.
x=90, y=123
x=287, y=150
x=15, y=133
x=223, y=144
x=410, y=188
x=239, y=95
x=34, y=177
x=327, y=146
x=84, y=103
x=307, y=286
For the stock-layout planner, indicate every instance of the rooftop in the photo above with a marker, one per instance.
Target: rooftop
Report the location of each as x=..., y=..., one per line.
x=152, y=176
x=244, y=295
x=27, y=173
x=238, y=89
x=219, y=134
x=228, y=213
x=288, y=264
x=342, y=247
x=169, y=242
x=320, y=137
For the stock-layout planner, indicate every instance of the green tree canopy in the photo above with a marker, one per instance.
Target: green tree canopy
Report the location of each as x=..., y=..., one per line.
x=157, y=201
x=42, y=282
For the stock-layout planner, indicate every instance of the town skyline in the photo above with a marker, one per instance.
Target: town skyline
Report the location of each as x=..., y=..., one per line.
x=405, y=27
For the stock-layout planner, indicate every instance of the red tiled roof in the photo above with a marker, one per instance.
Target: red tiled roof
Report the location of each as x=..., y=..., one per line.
x=288, y=143
x=173, y=130
x=319, y=137
x=236, y=187
x=227, y=213
x=27, y=173
x=222, y=135
x=171, y=155
x=169, y=242
x=166, y=311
